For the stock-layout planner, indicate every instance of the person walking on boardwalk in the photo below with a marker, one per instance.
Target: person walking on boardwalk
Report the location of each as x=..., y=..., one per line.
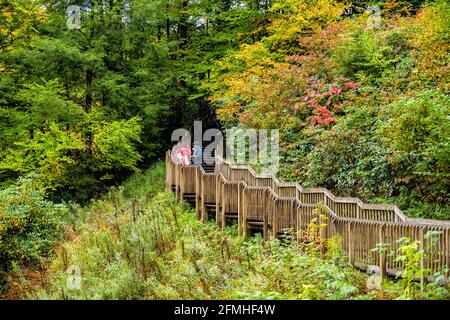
x=197, y=154
x=186, y=154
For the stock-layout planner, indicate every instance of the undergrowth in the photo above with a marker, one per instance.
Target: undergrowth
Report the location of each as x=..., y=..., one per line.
x=136, y=242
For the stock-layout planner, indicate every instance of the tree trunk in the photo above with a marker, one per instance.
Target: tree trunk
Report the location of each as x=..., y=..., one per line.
x=168, y=29
x=88, y=106
x=159, y=35
x=183, y=25
x=89, y=77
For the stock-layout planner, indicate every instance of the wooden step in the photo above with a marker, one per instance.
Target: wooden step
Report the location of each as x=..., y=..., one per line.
x=210, y=206
x=255, y=224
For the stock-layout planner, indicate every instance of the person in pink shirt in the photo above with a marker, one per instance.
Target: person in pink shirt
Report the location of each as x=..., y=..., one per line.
x=185, y=152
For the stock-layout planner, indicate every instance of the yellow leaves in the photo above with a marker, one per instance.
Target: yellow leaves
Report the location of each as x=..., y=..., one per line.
x=308, y=287
x=230, y=111
x=107, y=177
x=430, y=40
x=18, y=20
x=297, y=17
x=16, y=224
x=255, y=55
x=396, y=6
x=7, y=15
x=314, y=237
x=2, y=228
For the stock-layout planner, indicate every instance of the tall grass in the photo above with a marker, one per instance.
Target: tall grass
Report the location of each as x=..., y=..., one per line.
x=138, y=243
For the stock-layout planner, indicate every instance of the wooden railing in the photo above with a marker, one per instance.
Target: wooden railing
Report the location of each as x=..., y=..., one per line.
x=265, y=203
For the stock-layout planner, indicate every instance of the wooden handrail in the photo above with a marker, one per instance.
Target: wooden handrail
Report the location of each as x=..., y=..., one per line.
x=399, y=216
x=264, y=201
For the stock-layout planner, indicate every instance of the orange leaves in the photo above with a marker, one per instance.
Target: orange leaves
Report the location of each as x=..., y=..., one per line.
x=229, y=111
x=260, y=85
x=298, y=74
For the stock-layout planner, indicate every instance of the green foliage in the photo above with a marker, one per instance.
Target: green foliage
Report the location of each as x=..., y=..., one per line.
x=364, y=57
x=363, y=111
x=83, y=108
x=350, y=159
x=416, y=132
x=412, y=256
x=29, y=224
x=114, y=143
x=137, y=243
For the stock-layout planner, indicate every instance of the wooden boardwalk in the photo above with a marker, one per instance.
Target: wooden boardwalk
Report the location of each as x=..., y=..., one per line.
x=261, y=202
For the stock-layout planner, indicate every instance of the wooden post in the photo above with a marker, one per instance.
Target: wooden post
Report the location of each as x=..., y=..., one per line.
x=349, y=242
x=244, y=213
x=177, y=183
x=204, y=213
x=265, y=217
x=447, y=256
x=198, y=185
x=383, y=255
x=299, y=223
x=182, y=186
x=275, y=219
x=240, y=209
x=295, y=219
x=218, y=200
x=422, y=262
x=223, y=207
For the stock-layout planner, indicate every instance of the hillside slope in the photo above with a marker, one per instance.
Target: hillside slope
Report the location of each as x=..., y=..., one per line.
x=136, y=242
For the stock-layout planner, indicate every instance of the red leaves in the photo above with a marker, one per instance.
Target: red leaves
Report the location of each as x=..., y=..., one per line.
x=323, y=116
x=321, y=103
x=335, y=90
x=352, y=85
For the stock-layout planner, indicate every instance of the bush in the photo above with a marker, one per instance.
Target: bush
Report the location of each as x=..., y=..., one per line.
x=416, y=132
x=364, y=57
x=350, y=159
x=137, y=243
x=29, y=224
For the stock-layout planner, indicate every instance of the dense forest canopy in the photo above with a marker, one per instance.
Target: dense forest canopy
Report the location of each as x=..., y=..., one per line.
x=358, y=89
x=363, y=108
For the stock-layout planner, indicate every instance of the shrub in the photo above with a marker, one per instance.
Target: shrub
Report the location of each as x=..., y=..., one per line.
x=350, y=159
x=416, y=131
x=29, y=224
x=364, y=57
